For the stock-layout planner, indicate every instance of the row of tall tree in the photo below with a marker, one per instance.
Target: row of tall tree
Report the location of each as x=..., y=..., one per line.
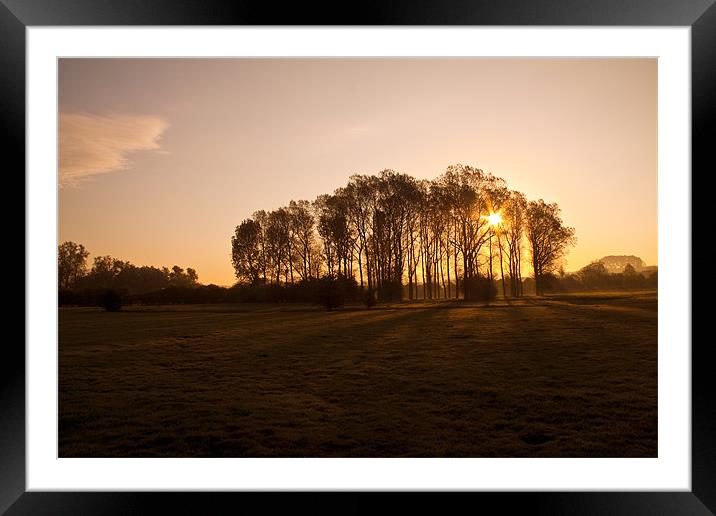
x=450, y=235
x=108, y=272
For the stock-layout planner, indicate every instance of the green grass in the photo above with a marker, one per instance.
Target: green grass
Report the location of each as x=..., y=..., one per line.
x=562, y=376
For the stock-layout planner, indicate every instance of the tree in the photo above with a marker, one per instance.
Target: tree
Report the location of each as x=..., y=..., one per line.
x=192, y=277
x=104, y=271
x=360, y=196
x=247, y=251
x=513, y=224
x=631, y=278
x=176, y=276
x=394, y=193
x=110, y=300
x=468, y=191
x=264, y=260
x=335, y=232
x=140, y=280
x=71, y=263
x=594, y=275
x=278, y=244
x=380, y=228
x=302, y=231
x=499, y=197
x=414, y=199
x=179, y=278
x=548, y=239
x=333, y=291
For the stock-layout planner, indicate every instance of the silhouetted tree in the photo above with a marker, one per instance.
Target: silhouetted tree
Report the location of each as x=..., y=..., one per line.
x=116, y=276
x=110, y=300
x=247, y=251
x=414, y=199
x=139, y=280
x=105, y=270
x=468, y=191
x=332, y=291
x=360, y=196
x=278, y=245
x=548, y=239
x=335, y=231
x=192, y=277
x=71, y=263
x=513, y=223
x=498, y=199
x=380, y=228
x=394, y=193
x=594, y=275
x=302, y=232
x=181, y=279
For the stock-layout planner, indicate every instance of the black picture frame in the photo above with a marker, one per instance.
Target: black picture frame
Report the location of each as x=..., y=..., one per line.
x=700, y=15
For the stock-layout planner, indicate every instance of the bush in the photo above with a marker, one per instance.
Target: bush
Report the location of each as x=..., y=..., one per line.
x=332, y=292
x=369, y=298
x=390, y=291
x=274, y=293
x=327, y=293
x=184, y=295
x=479, y=289
x=110, y=300
x=101, y=297
x=241, y=293
x=550, y=282
x=69, y=298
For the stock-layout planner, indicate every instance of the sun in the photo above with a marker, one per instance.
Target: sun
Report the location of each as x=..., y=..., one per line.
x=494, y=219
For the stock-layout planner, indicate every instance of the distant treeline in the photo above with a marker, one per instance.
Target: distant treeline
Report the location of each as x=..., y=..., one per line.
x=333, y=292
x=328, y=291
x=462, y=235
x=596, y=276
x=112, y=291
x=108, y=272
x=111, y=283
x=311, y=291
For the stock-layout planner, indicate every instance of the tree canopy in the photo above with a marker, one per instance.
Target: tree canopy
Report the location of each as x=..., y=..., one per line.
x=445, y=235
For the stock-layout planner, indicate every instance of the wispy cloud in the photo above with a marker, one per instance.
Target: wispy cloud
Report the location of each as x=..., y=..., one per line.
x=97, y=144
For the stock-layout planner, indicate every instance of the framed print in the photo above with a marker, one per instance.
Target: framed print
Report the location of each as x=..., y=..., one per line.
x=416, y=250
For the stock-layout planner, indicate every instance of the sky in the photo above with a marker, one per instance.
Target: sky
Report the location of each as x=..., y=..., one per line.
x=160, y=159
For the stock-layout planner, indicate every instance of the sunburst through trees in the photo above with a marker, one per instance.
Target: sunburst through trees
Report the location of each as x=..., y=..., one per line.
x=448, y=237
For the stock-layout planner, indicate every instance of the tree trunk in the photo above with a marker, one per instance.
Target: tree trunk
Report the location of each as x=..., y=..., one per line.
x=502, y=269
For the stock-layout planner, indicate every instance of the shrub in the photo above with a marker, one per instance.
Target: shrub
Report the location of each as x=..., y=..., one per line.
x=369, y=298
x=550, y=282
x=331, y=292
x=390, y=291
x=111, y=300
x=241, y=293
x=69, y=298
x=479, y=289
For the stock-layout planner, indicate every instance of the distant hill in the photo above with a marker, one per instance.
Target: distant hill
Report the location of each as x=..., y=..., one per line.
x=617, y=263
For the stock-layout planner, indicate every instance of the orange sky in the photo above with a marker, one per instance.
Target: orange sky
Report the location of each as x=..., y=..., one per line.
x=161, y=158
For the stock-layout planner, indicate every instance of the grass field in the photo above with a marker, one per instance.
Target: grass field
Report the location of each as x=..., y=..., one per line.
x=562, y=376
